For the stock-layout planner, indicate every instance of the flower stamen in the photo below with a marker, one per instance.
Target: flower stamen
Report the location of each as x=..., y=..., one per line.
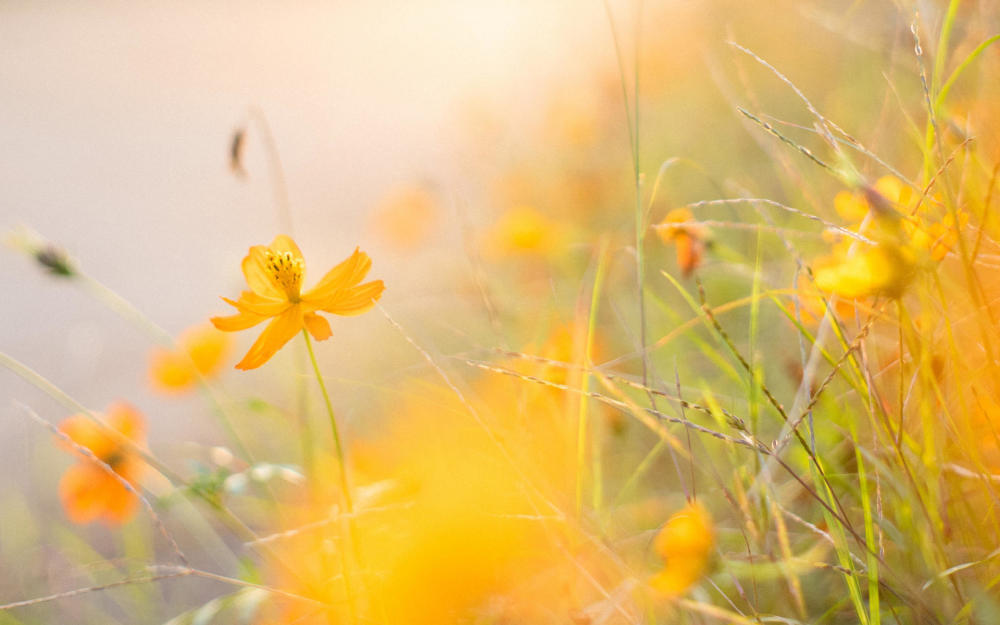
x=287, y=271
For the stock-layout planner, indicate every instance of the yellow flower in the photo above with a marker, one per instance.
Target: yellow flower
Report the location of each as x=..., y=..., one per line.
x=275, y=274
x=88, y=492
x=523, y=230
x=883, y=269
x=685, y=543
x=200, y=351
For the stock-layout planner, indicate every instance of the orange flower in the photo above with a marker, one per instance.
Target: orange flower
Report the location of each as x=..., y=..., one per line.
x=685, y=543
x=88, y=492
x=200, y=351
x=679, y=228
x=274, y=274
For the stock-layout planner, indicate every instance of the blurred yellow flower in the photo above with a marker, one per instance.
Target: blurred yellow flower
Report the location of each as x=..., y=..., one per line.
x=200, y=351
x=523, y=230
x=906, y=237
x=685, y=543
x=88, y=492
x=927, y=237
x=680, y=229
x=883, y=269
x=274, y=274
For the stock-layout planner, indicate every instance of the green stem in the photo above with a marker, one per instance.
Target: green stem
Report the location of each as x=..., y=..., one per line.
x=344, y=487
x=333, y=426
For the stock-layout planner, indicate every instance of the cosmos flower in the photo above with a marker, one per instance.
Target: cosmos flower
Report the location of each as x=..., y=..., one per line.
x=200, y=351
x=680, y=229
x=685, y=543
x=275, y=274
x=87, y=490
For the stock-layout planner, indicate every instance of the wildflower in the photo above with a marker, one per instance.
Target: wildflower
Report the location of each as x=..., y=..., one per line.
x=200, y=352
x=905, y=238
x=885, y=268
x=275, y=274
x=679, y=228
x=87, y=490
x=524, y=230
x=685, y=543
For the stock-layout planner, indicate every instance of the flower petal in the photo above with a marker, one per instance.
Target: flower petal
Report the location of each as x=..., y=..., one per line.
x=275, y=335
x=84, y=432
x=345, y=275
x=284, y=243
x=318, y=326
x=82, y=502
x=259, y=305
x=124, y=418
x=355, y=300
x=237, y=322
x=259, y=278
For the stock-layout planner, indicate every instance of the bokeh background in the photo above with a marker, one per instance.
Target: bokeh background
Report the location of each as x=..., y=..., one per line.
x=116, y=121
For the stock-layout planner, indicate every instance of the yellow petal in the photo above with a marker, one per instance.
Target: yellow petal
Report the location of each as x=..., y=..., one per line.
x=355, y=300
x=206, y=347
x=237, y=322
x=258, y=277
x=275, y=335
x=259, y=305
x=317, y=326
x=284, y=243
x=170, y=371
x=850, y=206
x=687, y=534
x=346, y=274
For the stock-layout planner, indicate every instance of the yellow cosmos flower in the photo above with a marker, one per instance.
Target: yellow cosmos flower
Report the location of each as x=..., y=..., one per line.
x=883, y=269
x=525, y=231
x=275, y=274
x=685, y=543
x=200, y=351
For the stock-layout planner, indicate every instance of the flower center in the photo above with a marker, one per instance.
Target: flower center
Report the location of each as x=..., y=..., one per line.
x=287, y=270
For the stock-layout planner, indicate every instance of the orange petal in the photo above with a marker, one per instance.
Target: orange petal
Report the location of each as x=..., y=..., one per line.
x=258, y=277
x=88, y=492
x=688, y=253
x=343, y=276
x=80, y=500
x=318, y=326
x=85, y=433
x=355, y=300
x=275, y=335
x=124, y=418
x=119, y=503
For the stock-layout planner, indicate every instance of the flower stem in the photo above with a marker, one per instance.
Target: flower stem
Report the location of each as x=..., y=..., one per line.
x=344, y=487
x=349, y=504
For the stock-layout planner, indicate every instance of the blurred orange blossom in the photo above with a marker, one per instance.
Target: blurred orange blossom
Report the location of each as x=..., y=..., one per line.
x=274, y=274
x=680, y=228
x=87, y=490
x=685, y=543
x=200, y=351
